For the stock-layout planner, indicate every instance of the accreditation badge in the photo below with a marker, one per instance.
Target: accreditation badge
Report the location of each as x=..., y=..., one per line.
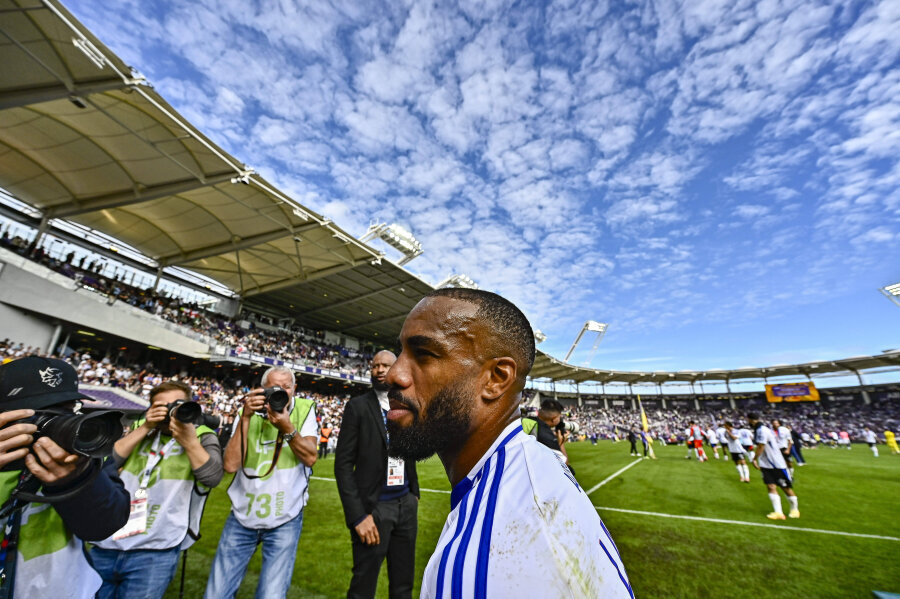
x=137, y=520
x=396, y=472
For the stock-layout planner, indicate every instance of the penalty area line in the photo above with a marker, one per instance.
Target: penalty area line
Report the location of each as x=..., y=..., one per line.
x=613, y=475
x=742, y=523
x=423, y=490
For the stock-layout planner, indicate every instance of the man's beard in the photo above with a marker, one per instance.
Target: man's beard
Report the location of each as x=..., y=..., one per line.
x=379, y=385
x=445, y=427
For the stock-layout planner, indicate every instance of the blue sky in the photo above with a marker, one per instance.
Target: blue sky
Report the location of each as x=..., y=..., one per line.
x=718, y=180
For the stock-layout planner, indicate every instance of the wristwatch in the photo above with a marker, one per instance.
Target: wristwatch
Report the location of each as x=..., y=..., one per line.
x=289, y=436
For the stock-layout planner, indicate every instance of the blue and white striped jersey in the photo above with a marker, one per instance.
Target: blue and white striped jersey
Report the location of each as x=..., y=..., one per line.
x=521, y=526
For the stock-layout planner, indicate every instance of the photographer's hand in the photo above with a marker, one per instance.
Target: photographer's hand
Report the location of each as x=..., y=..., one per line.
x=55, y=465
x=280, y=420
x=156, y=414
x=367, y=531
x=253, y=402
x=15, y=439
x=185, y=434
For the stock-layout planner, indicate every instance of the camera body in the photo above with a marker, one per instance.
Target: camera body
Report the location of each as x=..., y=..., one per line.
x=92, y=435
x=276, y=398
x=190, y=412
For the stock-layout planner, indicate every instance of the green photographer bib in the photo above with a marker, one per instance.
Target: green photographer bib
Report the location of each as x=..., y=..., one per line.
x=278, y=497
x=170, y=490
x=50, y=561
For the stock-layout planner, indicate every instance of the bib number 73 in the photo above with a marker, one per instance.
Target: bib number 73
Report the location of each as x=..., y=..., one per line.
x=264, y=504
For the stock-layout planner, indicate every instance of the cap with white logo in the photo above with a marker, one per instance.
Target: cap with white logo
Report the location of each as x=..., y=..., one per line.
x=35, y=382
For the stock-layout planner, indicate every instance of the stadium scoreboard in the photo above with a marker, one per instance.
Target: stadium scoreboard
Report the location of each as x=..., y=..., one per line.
x=791, y=392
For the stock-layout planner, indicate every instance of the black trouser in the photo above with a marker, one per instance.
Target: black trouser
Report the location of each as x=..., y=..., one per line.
x=323, y=449
x=397, y=525
x=633, y=447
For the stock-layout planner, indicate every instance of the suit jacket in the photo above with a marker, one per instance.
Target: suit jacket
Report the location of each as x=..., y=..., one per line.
x=360, y=462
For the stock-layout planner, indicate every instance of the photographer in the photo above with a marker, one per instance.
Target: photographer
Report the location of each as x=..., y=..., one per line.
x=546, y=428
x=162, y=461
x=42, y=554
x=271, y=450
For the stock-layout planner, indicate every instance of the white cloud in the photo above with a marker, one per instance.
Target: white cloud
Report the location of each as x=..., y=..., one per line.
x=579, y=157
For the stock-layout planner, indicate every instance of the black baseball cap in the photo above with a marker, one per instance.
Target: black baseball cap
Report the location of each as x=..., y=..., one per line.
x=34, y=382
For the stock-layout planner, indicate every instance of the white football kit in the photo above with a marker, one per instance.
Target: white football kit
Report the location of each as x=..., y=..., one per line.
x=521, y=526
x=784, y=437
x=734, y=445
x=771, y=456
x=722, y=434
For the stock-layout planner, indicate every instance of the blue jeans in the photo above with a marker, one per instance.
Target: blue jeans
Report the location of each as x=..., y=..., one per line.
x=238, y=544
x=135, y=574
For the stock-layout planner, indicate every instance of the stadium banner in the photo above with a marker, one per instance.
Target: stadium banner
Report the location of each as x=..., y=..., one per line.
x=791, y=392
x=715, y=404
x=249, y=359
x=651, y=404
x=841, y=395
x=681, y=404
x=883, y=396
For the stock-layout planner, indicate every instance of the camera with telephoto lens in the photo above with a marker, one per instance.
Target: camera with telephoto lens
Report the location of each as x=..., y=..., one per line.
x=276, y=398
x=190, y=412
x=92, y=435
x=567, y=427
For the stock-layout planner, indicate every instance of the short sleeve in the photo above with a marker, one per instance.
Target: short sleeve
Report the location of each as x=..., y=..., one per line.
x=310, y=428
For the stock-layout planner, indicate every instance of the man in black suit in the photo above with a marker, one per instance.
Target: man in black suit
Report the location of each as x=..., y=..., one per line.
x=380, y=495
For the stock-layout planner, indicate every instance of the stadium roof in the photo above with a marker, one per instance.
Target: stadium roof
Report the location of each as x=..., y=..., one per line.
x=547, y=367
x=86, y=139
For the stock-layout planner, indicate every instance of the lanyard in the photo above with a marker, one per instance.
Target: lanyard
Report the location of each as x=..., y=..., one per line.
x=384, y=419
x=156, y=456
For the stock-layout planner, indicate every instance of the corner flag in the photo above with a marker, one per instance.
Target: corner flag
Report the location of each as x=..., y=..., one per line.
x=645, y=426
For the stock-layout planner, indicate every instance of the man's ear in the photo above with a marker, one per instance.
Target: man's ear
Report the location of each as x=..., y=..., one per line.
x=501, y=374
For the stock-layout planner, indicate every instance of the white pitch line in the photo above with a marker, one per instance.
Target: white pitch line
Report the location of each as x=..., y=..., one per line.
x=741, y=522
x=425, y=490
x=613, y=475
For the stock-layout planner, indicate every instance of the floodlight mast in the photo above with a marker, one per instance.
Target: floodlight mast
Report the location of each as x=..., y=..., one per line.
x=892, y=292
x=397, y=237
x=594, y=326
x=459, y=281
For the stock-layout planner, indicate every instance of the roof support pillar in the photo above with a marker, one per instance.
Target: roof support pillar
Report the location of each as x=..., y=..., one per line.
x=865, y=394
x=158, y=277
x=42, y=229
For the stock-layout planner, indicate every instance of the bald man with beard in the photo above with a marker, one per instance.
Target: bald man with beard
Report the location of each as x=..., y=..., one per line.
x=380, y=494
x=519, y=525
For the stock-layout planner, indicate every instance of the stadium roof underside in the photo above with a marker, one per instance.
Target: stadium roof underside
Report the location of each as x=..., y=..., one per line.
x=85, y=139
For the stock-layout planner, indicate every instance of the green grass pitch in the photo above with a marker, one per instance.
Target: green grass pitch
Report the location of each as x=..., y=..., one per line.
x=848, y=491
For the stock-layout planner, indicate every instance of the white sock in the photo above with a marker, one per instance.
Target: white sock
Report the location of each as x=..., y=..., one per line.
x=740, y=470
x=776, y=503
x=875, y=451
x=793, y=501
x=746, y=471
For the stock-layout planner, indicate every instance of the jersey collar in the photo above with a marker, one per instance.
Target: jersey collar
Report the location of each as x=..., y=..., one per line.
x=465, y=485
